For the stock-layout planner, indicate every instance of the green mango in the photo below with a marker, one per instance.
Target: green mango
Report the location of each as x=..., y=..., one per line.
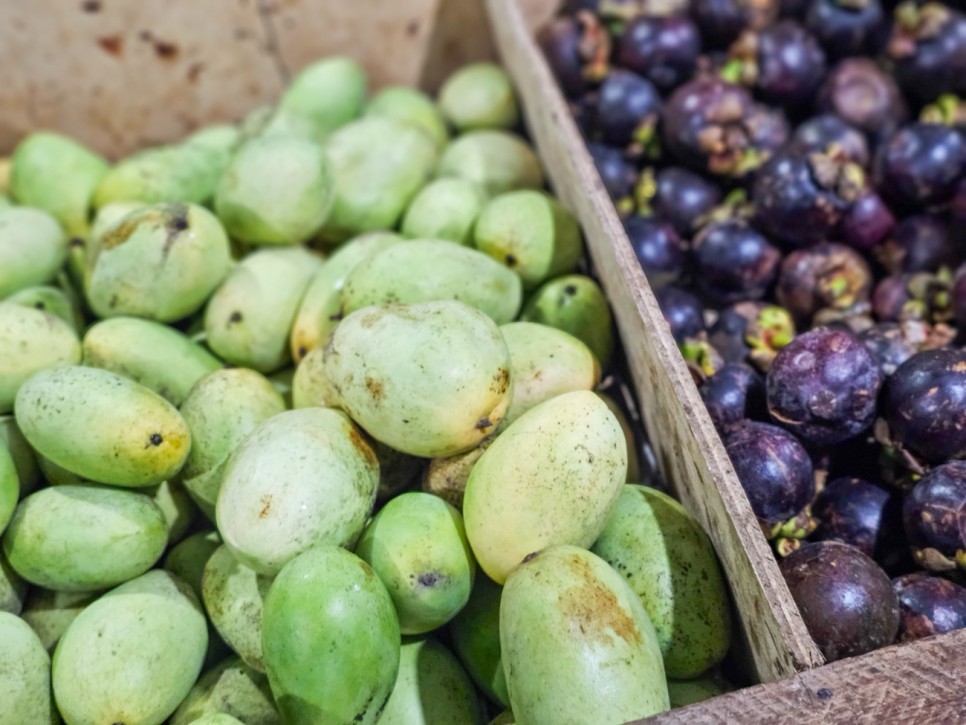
x=84, y=538
x=276, y=190
x=160, y=262
x=220, y=411
x=671, y=565
x=552, y=477
x=154, y=355
x=52, y=300
x=32, y=248
x=504, y=718
x=108, y=214
x=575, y=304
x=5, y=202
x=427, y=270
x=417, y=547
x=479, y=96
x=436, y=377
x=310, y=387
x=249, y=317
x=57, y=174
x=321, y=307
x=28, y=472
x=577, y=644
x=531, y=233
x=302, y=478
x=102, y=426
x=24, y=675
x=497, y=161
x=233, y=595
x=187, y=559
x=132, y=655
x=410, y=106
x=32, y=341
x=177, y=507
x=9, y=486
x=13, y=588
x=49, y=613
x=380, y=164
x=56, y=475
x=444, y=209
x=688, y=692
x=233, y=688
x=633, y=457
x=358, y=633
x=475, y=633
x=545, y=362
x=274, y=122
x=446, y=477
x=431, y=688
x=329, y=93
x=218, y=718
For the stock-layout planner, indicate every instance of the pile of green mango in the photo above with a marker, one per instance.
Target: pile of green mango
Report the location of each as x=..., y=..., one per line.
x=299, y=423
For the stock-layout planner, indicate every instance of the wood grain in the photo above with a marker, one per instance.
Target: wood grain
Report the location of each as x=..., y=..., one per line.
x=688, y=447
x=919, y=682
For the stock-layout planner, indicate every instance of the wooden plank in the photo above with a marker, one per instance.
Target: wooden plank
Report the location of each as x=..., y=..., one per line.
x=688, y=447
x=919, y=682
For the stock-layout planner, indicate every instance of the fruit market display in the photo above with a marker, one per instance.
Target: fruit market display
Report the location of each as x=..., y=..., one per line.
x=299, y=423
x=792, y=179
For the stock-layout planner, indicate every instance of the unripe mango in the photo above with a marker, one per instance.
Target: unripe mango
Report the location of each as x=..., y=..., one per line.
x=476, y=638
x=425, y=270
x=310, y=386
x=552, y=477
x=497, y=161
x=429, y=379
x=28, y=472
x=329, y=93
x=233, y=688
x=412, y=107
x=187, y=559
x=13, y=588
x=32, y=248
x=444, y=209
x=9, y=486
x=52, y=300
x=302, y=478
x=177, y=507
x=577, y=644
x=24, y=675
x=50, y=613
x=102, y=426
x=479, y=96
x=358, y=634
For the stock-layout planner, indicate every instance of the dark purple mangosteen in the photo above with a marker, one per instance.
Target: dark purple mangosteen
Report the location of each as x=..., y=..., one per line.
x=577, y=49
x=628, y=107
x=920, y=243
x=921, y=165
x=959, y=296
x=722, y=21
x=846, y=27
x=819, y=132
x=663, y=49
x=683, y=197
x=658, y=248
x=856, y=512
x=734, y=262
x=823, y=277
x=734, y=393
x=867, y=222
x=617, y=173
x=862, y=94
x=890, y=344
x=682, y=310
x=752, y=331
x=929, y=605
x=928, y=46
x=934, y=514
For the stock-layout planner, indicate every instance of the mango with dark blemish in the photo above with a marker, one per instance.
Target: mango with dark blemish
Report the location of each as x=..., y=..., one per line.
x=479, y=96
x=669, y=562
x=497, y=161
x=426, y=270
x=132, y=655
x=410, y=106
x=338, y=667
x=230, y=687
x=429, y=379
x=552, y=477
x=102, y=426
x=160, y=262
x=32, y=248
x=444, y=209
x=52, y=300
x=328, y=93
x=577, y=643
x=302, y=478
x=417, y=546
x=155, y=355
x=475, y=633
x=249, y=317
x=84, y=538
x=24, y=675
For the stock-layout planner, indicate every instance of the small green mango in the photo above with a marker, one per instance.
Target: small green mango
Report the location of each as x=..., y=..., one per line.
x=479, y=96
x=575, y=304
x=102, y=426
x=160, y=262
x=276, y=190
x=670, y=564
x=310, y=387
x=426, y=270
x=57, y=174
x=28, y=472
x=274, y=122
x=577, y=643
x=56, y=475
x=52, y=300
x=688, y=692
x=380, y=164
x=497, y=161
x=9, y=486
x=24, y=675
x=321, y=306
x=444, y=209
x=531, y=233
x=32, y=248
x=436, y=380
x=475, y=633
x=446, y=477
x=220, y=411
x=154, y=355
x=431, y=688
x=233, y=688
x=358, y=633
x=417, y=546
x=49, y=613
x=218, y=718
x=329, y=93
x=32, y=341
x=188, y=558
x=545, y=362
x=84, y=538
x=302, y=478
x=177, y=507
x=410, y=106
x=132, y=655
x=552, y=477
x=13, y=588
x=249, y=317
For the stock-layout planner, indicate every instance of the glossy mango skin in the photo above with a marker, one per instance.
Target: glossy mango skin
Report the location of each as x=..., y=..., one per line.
x=24, y=675
x=102, y=426
x=429, y=379
x=552, y=477
x=358, y=633
x=577, y=644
